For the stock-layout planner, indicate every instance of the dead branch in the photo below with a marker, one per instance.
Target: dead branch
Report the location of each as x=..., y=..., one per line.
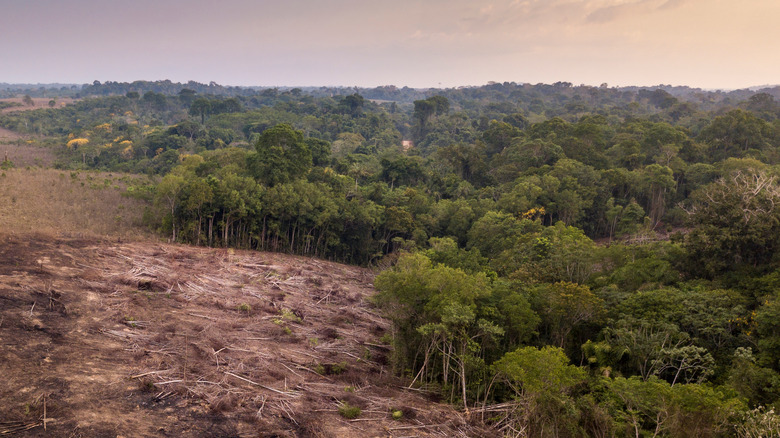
x=288, y=394
x=150, y=372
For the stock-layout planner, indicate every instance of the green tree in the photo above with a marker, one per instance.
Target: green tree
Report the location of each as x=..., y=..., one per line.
x=514, y=315
x=651, y=408
x=187, y=96
x=623, y=219
x=563, y=307
x=758, y=385
x=736, y=133
x=658, y=181
x=156, y=101
x=436, y=311
x=402, y=170
x=522, y=155
x=353, y=104
x=563, y=253
x=626, y=152
x=541, y=381
x=282, y=155
x=494, y=233
x=320, y=151
x=579, y=186
x=197, y=194
x=167, y=194
x=499, y=136
x=427, y=108
x=767, y=320
x=736, y=223
x=645, y=406
x=200, y=107
x=465, y=160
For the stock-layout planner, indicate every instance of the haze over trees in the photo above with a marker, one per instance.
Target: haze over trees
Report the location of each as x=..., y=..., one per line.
x=560, y=260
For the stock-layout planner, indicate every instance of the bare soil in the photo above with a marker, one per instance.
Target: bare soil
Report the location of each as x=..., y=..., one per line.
x=108, y=339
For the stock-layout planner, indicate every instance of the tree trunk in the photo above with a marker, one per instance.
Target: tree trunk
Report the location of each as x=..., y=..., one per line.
x=173, y=222
x=200, y=222
x=462, y=361
x=225, y=231
x=211, y=231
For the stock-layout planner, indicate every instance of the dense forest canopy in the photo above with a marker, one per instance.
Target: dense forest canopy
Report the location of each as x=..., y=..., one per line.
x=570, y=260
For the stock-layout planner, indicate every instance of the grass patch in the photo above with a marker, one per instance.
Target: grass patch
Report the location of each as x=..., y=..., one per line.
x=55, y=202
x=349, y=412
x=244, y=308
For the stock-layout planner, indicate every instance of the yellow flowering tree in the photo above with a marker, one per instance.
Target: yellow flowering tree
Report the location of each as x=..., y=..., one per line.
x=127, y=148
x=77, y=142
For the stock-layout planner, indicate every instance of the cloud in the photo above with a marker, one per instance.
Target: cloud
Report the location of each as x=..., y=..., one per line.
x=503, y=14
x=619, y=10
x=672, y=4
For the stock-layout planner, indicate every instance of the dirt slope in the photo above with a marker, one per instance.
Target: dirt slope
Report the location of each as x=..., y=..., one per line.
x=131, y=339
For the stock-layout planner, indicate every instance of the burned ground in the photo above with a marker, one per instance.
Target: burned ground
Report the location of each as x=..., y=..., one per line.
x=146, y=339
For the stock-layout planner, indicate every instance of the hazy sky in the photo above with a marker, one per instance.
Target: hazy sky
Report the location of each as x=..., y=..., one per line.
x=701, y=43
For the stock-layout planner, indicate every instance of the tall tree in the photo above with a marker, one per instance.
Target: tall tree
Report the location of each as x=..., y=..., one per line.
x=282, y=155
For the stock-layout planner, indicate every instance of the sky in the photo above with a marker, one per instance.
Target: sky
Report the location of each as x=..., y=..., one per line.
x=709, y=44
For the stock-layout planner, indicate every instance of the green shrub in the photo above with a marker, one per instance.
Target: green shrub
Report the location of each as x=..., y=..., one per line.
x=244, y=307
x=348, y=411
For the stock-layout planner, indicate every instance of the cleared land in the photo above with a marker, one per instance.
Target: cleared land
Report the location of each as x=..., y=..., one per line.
x=141, y=339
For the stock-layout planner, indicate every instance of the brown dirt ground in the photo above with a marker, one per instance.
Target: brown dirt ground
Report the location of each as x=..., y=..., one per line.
x=106, y=339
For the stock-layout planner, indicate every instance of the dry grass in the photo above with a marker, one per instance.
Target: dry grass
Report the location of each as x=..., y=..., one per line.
x=69, y=203
x=8, y=136
x=23, y=154
x=40, y=102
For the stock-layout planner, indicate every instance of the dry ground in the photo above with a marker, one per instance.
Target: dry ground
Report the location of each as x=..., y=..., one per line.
x=144, y=339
